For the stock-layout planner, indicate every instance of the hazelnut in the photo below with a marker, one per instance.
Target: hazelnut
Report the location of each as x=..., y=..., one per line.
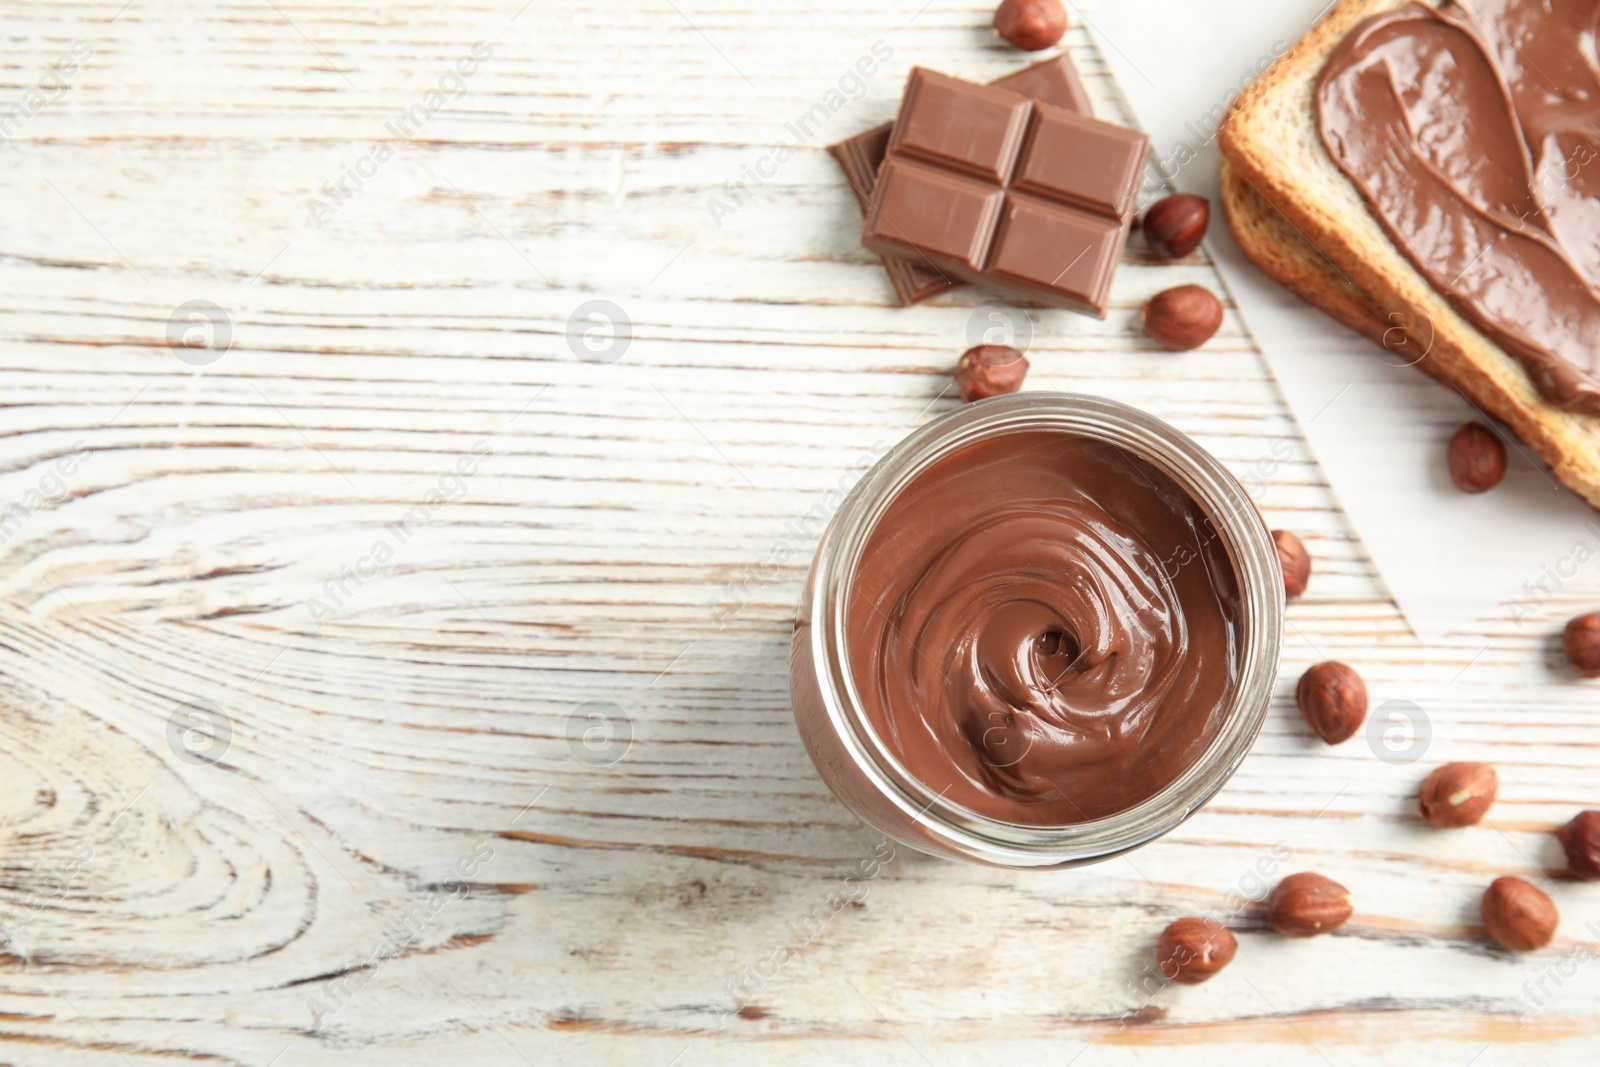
x=1581, y=643
x=990, y=370
x=1176, y=226
x=1581, y=840
x=1477, y=458
x=1518, y=915
x=1295, y=561
x=1031, y=24
x=1192, y=950
x=1333, y=698
x=1306, y=904
x=1182, y=318
x=1458, y=794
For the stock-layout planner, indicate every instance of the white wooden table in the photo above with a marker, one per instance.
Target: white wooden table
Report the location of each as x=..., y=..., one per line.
x=273, y=794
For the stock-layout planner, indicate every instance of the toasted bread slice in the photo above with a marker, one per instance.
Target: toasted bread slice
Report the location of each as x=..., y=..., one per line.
x=1299, y=218
x=1272, y=243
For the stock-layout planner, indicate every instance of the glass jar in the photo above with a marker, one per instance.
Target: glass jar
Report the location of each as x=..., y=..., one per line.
x=864, y=773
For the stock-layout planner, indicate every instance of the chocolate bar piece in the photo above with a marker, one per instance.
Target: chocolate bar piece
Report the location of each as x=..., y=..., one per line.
x=1055, y=81
x=986, y=185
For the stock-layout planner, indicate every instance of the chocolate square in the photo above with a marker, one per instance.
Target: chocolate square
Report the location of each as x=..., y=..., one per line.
x=960, y=126
x=958, y=232
x=1079, y=161
x=1030, y=243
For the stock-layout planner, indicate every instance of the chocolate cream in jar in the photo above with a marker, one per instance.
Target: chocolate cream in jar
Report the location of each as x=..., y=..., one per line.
x=1041, y=631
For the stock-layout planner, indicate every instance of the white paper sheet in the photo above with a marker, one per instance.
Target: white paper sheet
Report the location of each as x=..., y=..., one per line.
x=1377, y=427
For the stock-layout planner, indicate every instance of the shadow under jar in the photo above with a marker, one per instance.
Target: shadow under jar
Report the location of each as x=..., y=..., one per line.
x=1041, y=631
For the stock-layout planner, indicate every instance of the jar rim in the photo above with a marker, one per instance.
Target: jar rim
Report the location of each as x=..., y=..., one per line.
x=1213, y=489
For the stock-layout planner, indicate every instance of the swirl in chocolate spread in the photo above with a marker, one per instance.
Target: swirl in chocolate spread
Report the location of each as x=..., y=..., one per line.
x=1473, y=132
x=1044, y=629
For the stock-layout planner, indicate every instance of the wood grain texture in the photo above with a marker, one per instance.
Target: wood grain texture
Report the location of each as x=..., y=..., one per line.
x=402, y=542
